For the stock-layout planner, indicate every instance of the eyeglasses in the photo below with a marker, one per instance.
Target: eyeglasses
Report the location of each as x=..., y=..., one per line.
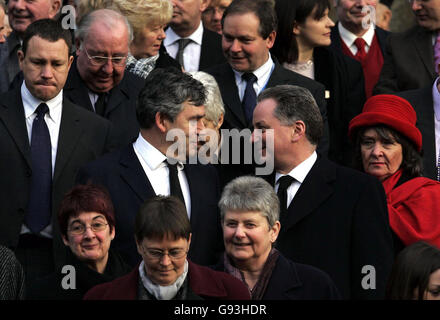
x=79, y=228
x=213, y=10
x=100, y=61
x=156, y=254
x=418, y=1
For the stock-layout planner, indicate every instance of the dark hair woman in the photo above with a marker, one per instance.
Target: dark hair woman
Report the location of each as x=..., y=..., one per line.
x=301, y=45
x=388, y=145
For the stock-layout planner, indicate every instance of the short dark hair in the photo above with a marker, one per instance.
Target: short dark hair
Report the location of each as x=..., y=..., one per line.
x=47, y=29
x=165, y=91
x=288, y=12
x=412, y=163
x=411, y=270
x=296, y=103
x=85, y=198
x=262, y=9
x=160, y=217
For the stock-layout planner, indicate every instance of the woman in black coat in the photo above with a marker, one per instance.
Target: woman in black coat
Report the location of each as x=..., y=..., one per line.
x=302, y=42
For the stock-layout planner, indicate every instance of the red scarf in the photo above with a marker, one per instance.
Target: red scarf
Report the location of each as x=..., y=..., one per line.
x=414, y=209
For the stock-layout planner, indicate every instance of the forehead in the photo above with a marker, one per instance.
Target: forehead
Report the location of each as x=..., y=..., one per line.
x=101, y=38
x=39, y=47
x=165, y=243
x=264, y=109
x=241, y=24
x=190, y=110
x=86, y=217
x=244, y=215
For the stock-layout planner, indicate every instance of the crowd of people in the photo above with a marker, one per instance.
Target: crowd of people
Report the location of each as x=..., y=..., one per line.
x=130, y=149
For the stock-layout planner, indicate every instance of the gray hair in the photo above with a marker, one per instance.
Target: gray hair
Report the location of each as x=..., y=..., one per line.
x=214, y=107
x=108, y=17
x=165, y=91
x=249, y=193
x=296, y=103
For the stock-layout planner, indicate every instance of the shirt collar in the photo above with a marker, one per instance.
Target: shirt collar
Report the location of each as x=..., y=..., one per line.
x=436, y=99
x=30, y=104
x=196, y=36
x=350, y=37
x=261, y=73
x=300, y=172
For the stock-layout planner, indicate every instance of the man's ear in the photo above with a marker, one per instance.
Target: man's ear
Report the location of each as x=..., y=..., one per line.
x=299, y=130
x=271, y=39
x=54, y=8
x=204, y=4
x=162, y=122
x=65, y=241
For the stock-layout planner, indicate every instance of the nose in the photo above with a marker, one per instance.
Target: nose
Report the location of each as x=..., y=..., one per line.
x=165, y=260
x=415, y=5
x=239, y=232
x=235, y=46
x=108, y=67
x=330, y=22
x=200, y=125
x=217, y=15
x=162, y=34
x=377, y=150
x=89, y=233
x=18, y=4
x=46, y=72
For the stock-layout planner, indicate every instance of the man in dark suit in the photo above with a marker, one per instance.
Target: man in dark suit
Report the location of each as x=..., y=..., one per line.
x=409, y=58
x=97, y=80
x=44, y=139
x=332, y=217
x=170, y=106
x=356, y=36
x=187, y=41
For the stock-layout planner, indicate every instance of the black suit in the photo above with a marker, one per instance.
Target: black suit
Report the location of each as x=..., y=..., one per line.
x=408, y=62
x=82, y=137
x=423, y=104
x=121, y=105
x=212, y=52
x=122, y=174
x=338, y=222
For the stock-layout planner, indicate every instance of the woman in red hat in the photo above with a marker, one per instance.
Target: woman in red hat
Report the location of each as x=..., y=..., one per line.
x=388, y=145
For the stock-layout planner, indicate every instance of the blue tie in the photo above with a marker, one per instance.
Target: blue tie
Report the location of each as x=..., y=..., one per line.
x=40, y=196
x=250, y=97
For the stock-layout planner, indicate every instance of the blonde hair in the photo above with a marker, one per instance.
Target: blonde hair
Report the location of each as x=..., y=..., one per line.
x=146, y=13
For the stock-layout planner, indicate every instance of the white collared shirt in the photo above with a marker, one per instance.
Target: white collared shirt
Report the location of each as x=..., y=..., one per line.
x=263, y=74
x=53, y=122
x=191, y=54
x=348, y=37
x=436, y=105
x=152, y=161
x=299, y=173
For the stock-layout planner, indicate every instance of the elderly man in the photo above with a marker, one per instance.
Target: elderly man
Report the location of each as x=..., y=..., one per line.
x=21, y=14
x=356, y=36
x=332, y=217
x=412, y=57
x=212, y=16
x=44, y=139
x=187, y=41
x=171, y=105
x=97, y=80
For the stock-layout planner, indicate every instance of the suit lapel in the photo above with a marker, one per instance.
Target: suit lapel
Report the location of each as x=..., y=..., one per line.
x=75, y=89
x=192, y=178
x=422, y=43
x=204, y=52
x=114, y=100
x=315, y=189
x=134, y=175
x=12, y=115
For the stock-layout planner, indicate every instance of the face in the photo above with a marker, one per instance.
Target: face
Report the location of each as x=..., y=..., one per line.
x=147, y=42
x=350, y=12
x=101, y=42
x=45, y=67
x=427, y=13
x=23, y=12
x=187, y=13
x=380, y=158
x=433, y=290
x=242, y=44
x=265, y=120
x=163, y=271
x=314, y=33
x=188, y=122
x=91, y=246
x=212, y=16
x=248, y=237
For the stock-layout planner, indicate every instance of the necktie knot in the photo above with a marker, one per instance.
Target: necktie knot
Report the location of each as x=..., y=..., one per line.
x=249, y=77
x=175, y=189
x=285, y=181
x=360, y=43
x=42, y=109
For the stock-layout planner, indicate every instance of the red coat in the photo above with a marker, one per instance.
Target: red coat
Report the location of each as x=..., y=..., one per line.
x=203, y=281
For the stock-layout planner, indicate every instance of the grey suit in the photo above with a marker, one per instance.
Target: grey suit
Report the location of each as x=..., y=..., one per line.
x=9, y=61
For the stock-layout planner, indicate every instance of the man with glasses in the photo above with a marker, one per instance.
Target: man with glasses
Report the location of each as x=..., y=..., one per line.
x=212, y=16
x=97, y=80
x=412, y=57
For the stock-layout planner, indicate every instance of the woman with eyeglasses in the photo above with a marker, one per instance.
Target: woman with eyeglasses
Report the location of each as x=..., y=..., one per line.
x=87, y=225
x=163, y=238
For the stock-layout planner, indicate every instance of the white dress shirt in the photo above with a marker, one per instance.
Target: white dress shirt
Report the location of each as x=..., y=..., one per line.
x=191, y=54
x=263, y=74
x=152, y=161
x=436, y=102
x=53, y=121
x=348, y=37
x=299, y=173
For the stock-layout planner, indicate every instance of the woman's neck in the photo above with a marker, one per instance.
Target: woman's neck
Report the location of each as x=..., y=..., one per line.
x=98, y=265
x=252, y=268
x=304, y=54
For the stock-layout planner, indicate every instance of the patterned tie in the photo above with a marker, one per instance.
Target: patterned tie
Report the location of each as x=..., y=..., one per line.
x=361, y=54
x=182, y=45
x=250, y=97
x=40, y=196
x=438, y=168
x=284, y=184
x=175, y=189
x=437, y=52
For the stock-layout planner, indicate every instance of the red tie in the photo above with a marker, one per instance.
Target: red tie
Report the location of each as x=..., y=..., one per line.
x=361, y=54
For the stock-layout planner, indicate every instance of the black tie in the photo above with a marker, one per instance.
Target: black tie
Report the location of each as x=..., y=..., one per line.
x=100, y=104
x=182, y=45
x=284, y=183
x=40, y=196
x=175, y=189
x=250, y=97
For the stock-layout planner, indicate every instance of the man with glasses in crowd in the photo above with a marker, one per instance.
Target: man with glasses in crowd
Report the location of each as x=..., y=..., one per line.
x=97, y=80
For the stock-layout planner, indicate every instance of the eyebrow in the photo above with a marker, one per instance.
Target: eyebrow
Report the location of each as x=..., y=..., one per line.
x=99, y=216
